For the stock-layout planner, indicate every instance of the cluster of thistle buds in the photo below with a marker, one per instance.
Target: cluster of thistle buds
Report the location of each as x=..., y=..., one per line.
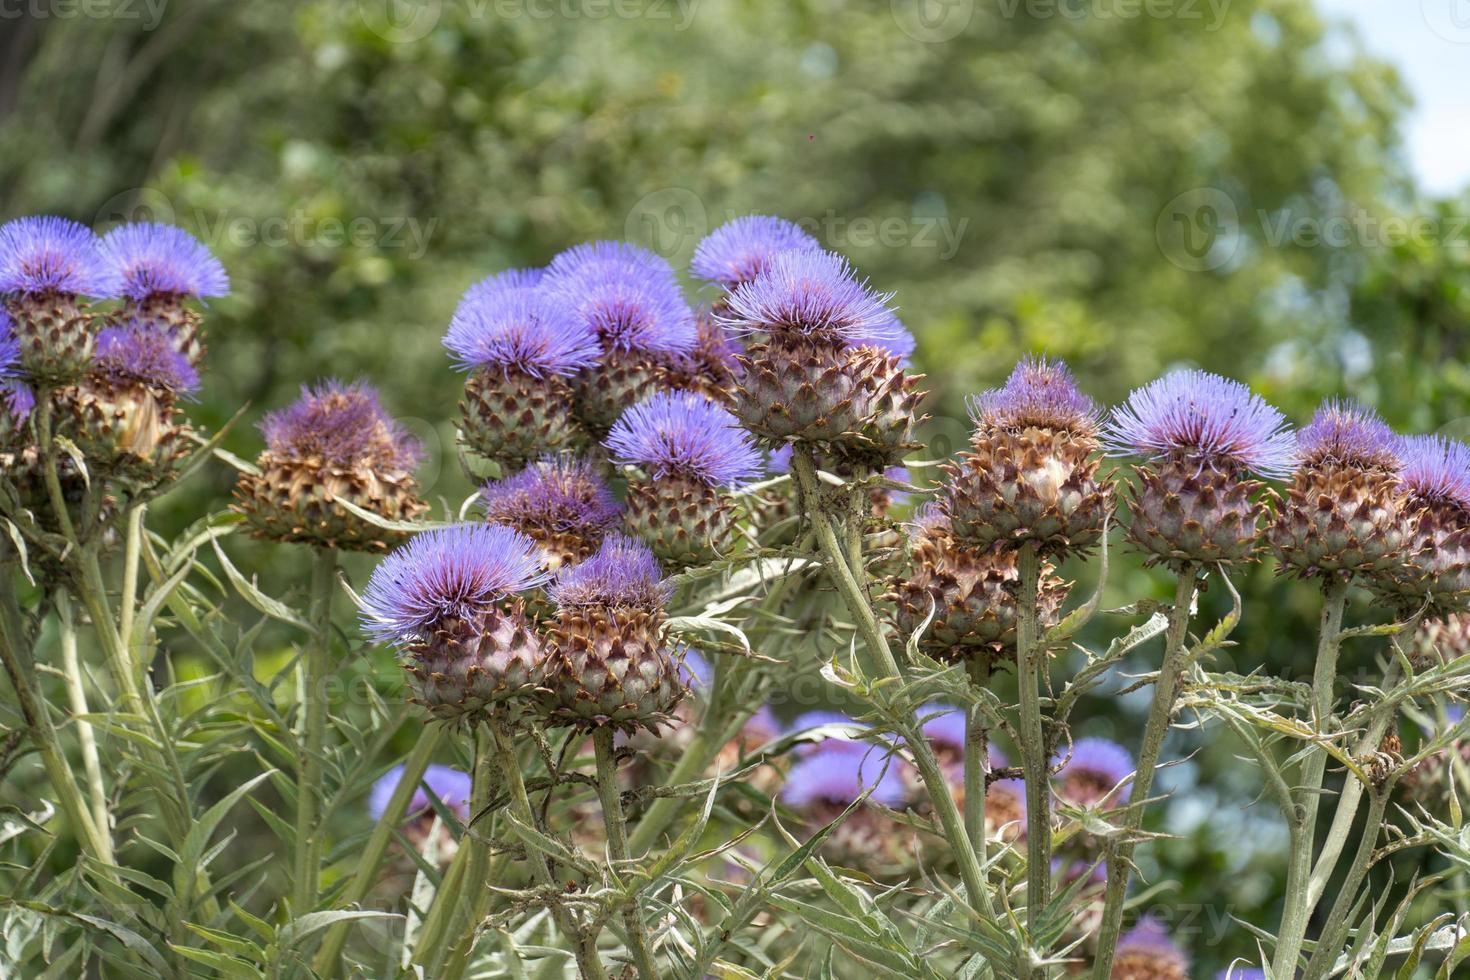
x=100, y=342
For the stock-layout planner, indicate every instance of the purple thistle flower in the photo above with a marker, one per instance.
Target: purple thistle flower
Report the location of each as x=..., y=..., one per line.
x=1149, y=942
x=15, y=396
x=509, y=280
x=341, y=425
x=1241, y=973
x=557, y=494
x=778, y=460
x=1039, y=393
x=891, y=336
x=681, y=434
x=623, y=572
x=696, y=672
x=18, y=400
x=741, y=249
x=503, y=322
x=628, y=297
x=1205, y=419
x=1436, y=468
x=450, y=786
x=593, y=260
x=9, y=349
x=811, y=292
x=1096, y=766
x=837, y=771
x=153, y=259
x=145, y=355
x=944, y=725
x=448, y=573
x=46, y=254
x=1347, y=435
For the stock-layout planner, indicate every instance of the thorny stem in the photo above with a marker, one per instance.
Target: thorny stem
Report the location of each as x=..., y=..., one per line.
x=617, y=845
x=1302, y=821
x=977, y=761
x=1029, y=665
x=366, y=871
x=1329, y=944
x=584, y=945
x=86, y=739
x=318, y=667
x=933, y=777
x=1120, y=856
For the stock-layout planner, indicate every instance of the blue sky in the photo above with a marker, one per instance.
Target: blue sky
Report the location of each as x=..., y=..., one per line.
x=1429, y=42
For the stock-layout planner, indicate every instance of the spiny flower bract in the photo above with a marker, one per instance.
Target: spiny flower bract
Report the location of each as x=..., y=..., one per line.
x=46, y=254
x=1206, y=420
x=741, y=249
x=683, y=434
x=557, y=495
x=518, y=327
x=449, y=786
x=811, y=292
x=1345, y=434
x=144, y=354
x=450, y=573
x=342, y=425
x=1039, y=393
x=1436, y=468
x=623, y=573
x=152, y=259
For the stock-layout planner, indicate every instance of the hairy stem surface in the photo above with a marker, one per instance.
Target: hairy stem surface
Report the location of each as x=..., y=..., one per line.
x=617, y=845
x=1029, y=665
x=314, y=723
x=977, y=761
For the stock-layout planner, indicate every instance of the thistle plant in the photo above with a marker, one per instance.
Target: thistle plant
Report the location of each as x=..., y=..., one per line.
x=711, y=674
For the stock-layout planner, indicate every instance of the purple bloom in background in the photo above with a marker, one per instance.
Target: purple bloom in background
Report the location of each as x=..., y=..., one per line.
x=812, y=292
x=695, y=671
x=341, y=425
x=778, y=461
x=682, y=434
x=146, y=355
x=504, y=322
x=626, y=296
x=1206, y=420
x=623, y=572
x=153, y=259
x=1096, y=766
x=450, y=786
x=15, y=395
x=890, y=335
x=944, y=726
x=560, y=494
x=1436, y=468
x=1147, y=946
x=9, y=349
x=1347, y=435
x=53, y=255
x=1241, y=973
x=1039, y=393
x=837, y=771
x=447, y=573
x=741, y=249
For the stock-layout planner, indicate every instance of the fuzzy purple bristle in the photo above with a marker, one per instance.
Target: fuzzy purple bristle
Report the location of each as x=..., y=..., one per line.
x=151, y=259
x=46, y=254
x=505, y=322
x=626, y=296
x=1039, y=393
x=558, y=494
x=449, y=786
x=811, y=293
x=741, y=249
x=682, y=434
x=623, y=573
x=1345, y=434
x=342, y=425
x=141, y=353
x=1436, y=469
x=1099, y=759
x=837, y=772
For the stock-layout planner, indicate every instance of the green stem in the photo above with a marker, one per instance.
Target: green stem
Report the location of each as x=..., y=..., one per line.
x=1302, y=820
x=314, y=707
x=940, y=796
x=366, y=872
x=476, y=840
x=1330, y=944
x=1160, y=712
x=86, y=739
x=617, y=845
x=128, y=601
x=442, y=910
x=977, y=760
x=584, y=947
x=1029, y=666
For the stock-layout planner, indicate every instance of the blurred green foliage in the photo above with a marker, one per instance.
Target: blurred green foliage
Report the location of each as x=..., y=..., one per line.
x=1128, y=193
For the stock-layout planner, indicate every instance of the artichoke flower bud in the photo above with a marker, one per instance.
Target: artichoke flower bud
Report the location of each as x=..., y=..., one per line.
x=335, y=443
x=690, y=450
x=1032, y=475
x=1343, y=511
x=1203, y=434
x=47, y=265
x=1435, y=570
x=559, y=502
x=608, y=663
x=446, y=600
x=161, y=268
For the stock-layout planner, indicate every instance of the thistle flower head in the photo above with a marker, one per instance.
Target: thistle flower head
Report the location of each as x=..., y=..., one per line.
x=890, y=336
x=1039, y=394
x=152, y=259
x=944, y=726
x=1206, y=420
x=1436, y=469
x=449, y=786
x=17, y=399
x=625, y=296
x=507, y=321
x=1345, y=434
x=146, y=355
x=811, y=292
x=682, y=434
x=447, y=574
x=741, y=249
x=53, y=255
x=1147, y=951
x=836, y=772
x=622, y=574
x=557, y=495
x=1094, y=767
x=341, y=425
